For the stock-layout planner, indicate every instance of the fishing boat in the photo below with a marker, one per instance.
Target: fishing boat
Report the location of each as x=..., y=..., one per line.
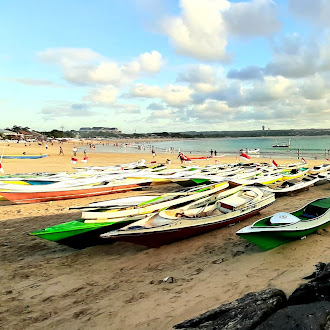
x=283, y=227
x=24, y=156
x=169, y=226
x=157, y=203
x=45, y=193
x=284, y=145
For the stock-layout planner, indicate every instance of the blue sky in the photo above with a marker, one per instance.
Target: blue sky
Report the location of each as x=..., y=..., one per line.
x=153, y=66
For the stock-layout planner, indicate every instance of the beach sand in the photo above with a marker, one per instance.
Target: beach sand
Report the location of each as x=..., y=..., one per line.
x=120, y=285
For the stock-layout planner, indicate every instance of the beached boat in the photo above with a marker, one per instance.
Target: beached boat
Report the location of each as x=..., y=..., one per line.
x=289, y=186
x=319, y=169
x=157, y=203
x=79, y=234
x=44, y=193
x=169, y=226
x=24, y=156
x=283, y=227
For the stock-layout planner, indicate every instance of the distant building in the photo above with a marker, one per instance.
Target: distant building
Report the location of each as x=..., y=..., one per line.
x=100, y=129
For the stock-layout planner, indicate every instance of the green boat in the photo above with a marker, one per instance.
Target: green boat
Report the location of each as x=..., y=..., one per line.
x=78, y=234
x=283, y=227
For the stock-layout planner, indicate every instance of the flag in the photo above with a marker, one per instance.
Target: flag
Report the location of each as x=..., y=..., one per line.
x=74, y=160
x=245, y=157
x=1, y=169
x=85, y=159
x=303, y=160
x=274, y=163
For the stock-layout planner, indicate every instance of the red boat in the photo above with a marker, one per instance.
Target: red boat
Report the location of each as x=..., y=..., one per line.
x=22, y=197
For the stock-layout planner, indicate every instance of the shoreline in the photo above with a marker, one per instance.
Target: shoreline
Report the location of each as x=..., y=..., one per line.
x=47, y=285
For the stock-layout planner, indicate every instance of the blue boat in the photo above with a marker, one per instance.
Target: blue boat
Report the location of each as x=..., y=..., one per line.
x=24, y=156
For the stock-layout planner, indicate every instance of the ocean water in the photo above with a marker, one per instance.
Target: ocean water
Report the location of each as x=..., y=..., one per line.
x=302, y=146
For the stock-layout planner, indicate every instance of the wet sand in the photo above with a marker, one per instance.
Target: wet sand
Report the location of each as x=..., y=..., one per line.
x=120, y=285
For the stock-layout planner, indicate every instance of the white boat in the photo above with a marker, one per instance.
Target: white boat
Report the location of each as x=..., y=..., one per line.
x=284, y=145
x=168, y=227
x=253, y=151
x=319, y=169
x=157, y=203
x=290, y=186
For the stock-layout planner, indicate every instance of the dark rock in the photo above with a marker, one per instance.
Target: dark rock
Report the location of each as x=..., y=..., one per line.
x=242, y=314
x=314, y=316
x=317, y=289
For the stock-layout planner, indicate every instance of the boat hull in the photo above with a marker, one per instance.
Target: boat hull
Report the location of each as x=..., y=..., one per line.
x=82, y=236
x=157, y=239
x=46, y=196
x=271, y=240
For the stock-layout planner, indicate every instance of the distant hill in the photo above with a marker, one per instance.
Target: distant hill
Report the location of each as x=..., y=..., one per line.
x=259, y=133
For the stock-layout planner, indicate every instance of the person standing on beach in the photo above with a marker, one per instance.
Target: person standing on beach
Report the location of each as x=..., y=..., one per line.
x=61, y=151
x=211, y=152
x=153, y=152
x=74, y=151
x=46, y=146
x=215, y=153
x=181, y=157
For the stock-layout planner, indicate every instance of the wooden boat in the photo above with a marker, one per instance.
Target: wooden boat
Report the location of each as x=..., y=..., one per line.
x=157, y=203
x=24, y=156
x=168, y=227
x=45, y=194
x=283, y=227
x=290, y=186
x=79, y=234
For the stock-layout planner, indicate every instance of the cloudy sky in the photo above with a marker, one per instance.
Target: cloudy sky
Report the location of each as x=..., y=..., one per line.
x=165, y=65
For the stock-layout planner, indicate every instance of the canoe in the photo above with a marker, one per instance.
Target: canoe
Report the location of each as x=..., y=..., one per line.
x=79, y=191
x=283, y=227
x=157, y=203
x=319, y=169
x=78, y=234
x=24, y=156
x=166, y=227
x=289, y=186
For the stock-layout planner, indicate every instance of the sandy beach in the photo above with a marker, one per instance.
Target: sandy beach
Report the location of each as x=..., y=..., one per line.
x=120, y=285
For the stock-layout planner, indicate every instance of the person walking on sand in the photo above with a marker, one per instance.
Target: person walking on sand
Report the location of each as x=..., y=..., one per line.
x=61, y=151
x=153, y=152
x=74, y=151
x=46, y=146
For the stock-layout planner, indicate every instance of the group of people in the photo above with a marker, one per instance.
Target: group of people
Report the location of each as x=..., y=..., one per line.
x=213, y=153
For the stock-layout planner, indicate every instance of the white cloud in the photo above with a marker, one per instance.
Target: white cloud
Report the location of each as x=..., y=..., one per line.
x=316, y=11
x=85, y=67
x=203, y=27
x=104, y=95
x=255, y=18
x=172, y=95
x=200, y=31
